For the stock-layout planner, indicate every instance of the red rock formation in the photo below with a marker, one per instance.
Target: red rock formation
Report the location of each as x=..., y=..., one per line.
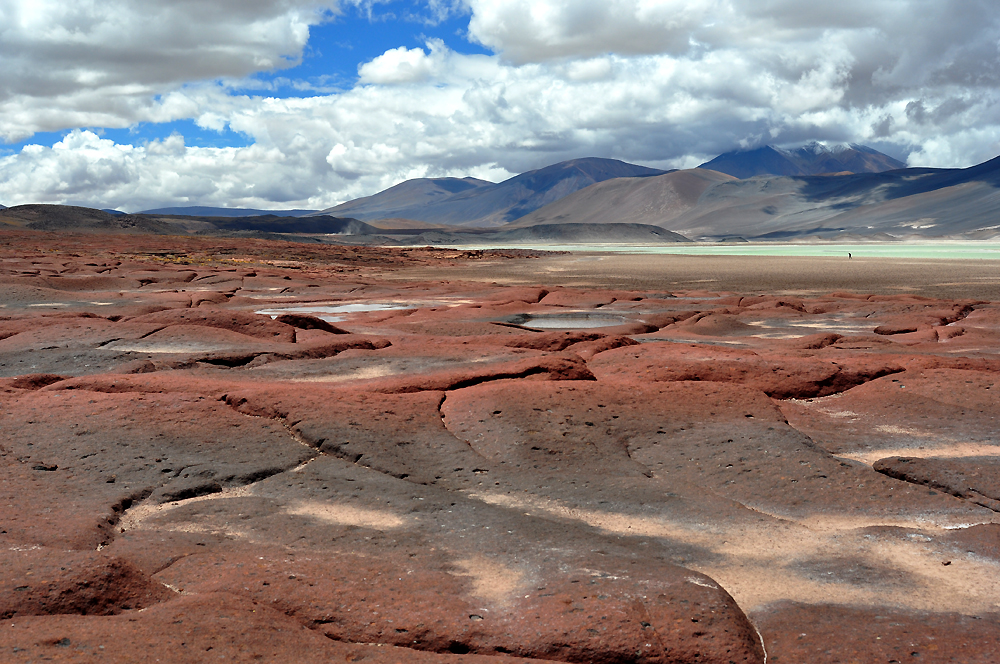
x=437, y=477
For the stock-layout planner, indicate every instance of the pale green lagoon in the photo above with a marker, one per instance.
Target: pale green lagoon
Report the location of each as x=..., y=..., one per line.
x=942, y=250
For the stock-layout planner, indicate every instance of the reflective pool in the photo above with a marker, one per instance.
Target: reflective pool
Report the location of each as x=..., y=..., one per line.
x=567, y=321
x=333, y=313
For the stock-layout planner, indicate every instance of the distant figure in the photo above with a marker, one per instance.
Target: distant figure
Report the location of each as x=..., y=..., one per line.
x=848, y=255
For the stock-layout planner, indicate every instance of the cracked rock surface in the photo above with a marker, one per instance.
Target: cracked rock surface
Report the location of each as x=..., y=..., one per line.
x=248, y=451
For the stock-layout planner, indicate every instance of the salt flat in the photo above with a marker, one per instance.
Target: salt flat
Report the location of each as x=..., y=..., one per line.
x=903, y=249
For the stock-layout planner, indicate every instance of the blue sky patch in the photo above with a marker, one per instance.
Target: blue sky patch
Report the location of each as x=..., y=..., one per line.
x=143, y=133
x=336, y=49
x=329, y=65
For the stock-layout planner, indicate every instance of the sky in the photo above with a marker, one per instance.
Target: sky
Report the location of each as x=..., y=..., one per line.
x=279, y=104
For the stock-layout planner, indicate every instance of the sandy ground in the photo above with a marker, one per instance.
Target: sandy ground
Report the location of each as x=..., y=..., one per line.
x=775, y=275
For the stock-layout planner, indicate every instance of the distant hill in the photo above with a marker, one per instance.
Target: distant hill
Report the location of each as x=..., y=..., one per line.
x=703, y=204
x=201, y=211
x=67, y=218
x=482, y=204
x=70, y=219
x=405, y=196
x=812, y=159
x=650, y=200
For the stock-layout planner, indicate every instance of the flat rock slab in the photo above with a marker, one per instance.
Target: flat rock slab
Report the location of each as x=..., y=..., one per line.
x=982, y=540
x=180, y=346
x=253, y=325
x=199, y=628
x=973, y=478
x=801, y=374
x=95, y=454
x=75, y=333
x=945, y=413
x=714, y=467
x=414, y=365
x=797, y=633
x=696, y=434
x=409, y=572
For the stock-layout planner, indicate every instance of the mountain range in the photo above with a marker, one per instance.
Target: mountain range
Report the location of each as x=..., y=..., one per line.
x=471, y=202
x=575, y=200
x=444, y=202
x=704, y=204
x=477, y=203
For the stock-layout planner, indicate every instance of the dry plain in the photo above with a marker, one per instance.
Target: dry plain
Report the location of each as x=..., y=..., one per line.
x=246, y=450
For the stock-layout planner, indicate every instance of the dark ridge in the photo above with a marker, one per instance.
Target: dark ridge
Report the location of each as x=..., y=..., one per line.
x=810, y=159
x=270, y=223
x=71, y=218
x=204, y=211
x=68, y=218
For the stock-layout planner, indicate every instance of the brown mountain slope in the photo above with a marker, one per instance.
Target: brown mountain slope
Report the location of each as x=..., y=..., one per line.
x=648, y=200
x=476, y=203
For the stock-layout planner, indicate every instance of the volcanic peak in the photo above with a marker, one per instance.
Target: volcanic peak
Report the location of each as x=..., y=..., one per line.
x=814, y=158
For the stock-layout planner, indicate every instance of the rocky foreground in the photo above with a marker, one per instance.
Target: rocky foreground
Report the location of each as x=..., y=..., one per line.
x=234, y=450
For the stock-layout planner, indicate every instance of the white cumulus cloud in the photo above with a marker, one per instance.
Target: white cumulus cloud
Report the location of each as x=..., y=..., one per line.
x=403, y=65
x=659, y=82
x=104, y=62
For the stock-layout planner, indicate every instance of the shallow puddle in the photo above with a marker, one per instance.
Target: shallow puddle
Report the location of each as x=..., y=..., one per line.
x=333, y=313
x=570, y=321
x=780, y=328
x=691, y=341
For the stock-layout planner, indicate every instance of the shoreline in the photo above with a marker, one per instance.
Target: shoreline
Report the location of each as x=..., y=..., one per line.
x=960, y=278
x=956, y=249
